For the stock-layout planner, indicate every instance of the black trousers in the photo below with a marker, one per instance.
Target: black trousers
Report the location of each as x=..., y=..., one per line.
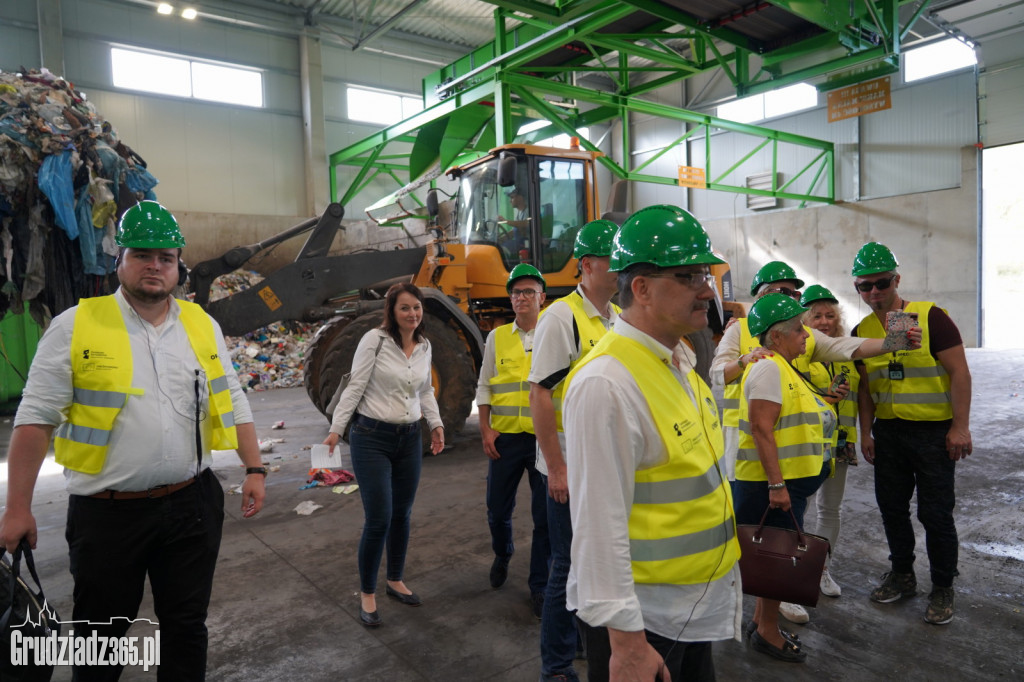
x=115, y=544
x=687, y=661
x=912, y=456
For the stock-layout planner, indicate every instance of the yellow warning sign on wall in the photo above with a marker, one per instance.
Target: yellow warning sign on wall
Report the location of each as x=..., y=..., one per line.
x=692, y=177
x=862, y=98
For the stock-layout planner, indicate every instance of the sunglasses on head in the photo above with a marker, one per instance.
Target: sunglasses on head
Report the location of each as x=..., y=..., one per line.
x=880, y=284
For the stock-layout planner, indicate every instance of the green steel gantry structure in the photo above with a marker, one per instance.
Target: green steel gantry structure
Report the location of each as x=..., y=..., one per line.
x=531, y=70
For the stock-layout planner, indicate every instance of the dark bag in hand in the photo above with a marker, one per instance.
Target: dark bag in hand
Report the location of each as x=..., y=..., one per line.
x=26, y=611
x=781, y=564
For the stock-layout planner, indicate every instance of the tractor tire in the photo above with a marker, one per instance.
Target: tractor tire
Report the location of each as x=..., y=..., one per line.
x=330, y=357
x=703, y=344
x=453, y=374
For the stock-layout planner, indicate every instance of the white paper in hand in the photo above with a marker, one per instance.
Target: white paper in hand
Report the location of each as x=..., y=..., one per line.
x=325, y=458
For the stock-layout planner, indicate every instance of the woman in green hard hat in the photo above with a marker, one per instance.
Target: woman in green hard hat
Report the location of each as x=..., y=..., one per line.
x=824, y=314
x=785, y=446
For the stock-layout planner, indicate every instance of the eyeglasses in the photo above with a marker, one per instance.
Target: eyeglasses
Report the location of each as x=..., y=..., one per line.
x=880, y=284
x=523, y=293
x=694, y=280
x=785, y=291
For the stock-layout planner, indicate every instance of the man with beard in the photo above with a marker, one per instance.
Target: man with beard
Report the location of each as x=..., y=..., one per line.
x=139, y=388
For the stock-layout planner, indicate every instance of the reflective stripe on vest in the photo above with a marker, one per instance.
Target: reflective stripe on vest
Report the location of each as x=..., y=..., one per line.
x=681, y=525
x=733, y=391
x=510, y=391
x=821, y=376
x=101, y=366
x=799, y=430
x=923, y=394
x=591, y=330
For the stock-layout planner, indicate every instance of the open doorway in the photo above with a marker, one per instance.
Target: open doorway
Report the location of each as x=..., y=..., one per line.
x=1002, y=256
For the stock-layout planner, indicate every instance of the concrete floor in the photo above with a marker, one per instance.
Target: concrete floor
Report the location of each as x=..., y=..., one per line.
x=285, y=605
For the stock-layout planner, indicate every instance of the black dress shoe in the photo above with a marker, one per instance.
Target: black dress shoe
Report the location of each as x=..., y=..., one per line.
x=369, y=619
x=408, y=599
x=499, y=572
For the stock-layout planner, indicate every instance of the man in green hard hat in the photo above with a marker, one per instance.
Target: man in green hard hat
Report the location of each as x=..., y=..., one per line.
x=639, y=421
x=915, y=426
x=129, y=384
x=569, y=328
x=506, y=429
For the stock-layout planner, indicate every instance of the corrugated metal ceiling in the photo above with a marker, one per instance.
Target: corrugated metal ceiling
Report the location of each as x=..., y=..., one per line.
x=466, y=24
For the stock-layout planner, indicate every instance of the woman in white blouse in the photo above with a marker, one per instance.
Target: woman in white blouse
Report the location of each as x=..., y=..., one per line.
x=388, y=392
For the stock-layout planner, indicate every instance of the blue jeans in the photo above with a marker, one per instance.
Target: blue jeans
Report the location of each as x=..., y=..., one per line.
x=518, y=456
x=752, y=499
x=911, y=455
x=113, y=546
x=386, y=459
x=557, y=625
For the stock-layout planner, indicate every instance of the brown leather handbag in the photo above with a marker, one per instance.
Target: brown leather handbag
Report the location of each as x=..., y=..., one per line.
x=781, y=564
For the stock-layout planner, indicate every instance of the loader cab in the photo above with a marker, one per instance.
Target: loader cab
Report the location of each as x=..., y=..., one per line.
x=527, y=203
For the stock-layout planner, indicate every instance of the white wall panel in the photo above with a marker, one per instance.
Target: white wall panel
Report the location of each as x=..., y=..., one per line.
x=1003, y=120
x=915, y=145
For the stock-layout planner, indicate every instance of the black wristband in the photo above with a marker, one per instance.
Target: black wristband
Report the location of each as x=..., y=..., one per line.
x=256, y=470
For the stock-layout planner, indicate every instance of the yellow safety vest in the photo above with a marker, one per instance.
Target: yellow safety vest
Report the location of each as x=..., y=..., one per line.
x=681, y=526
x=799, y=430
x=101, y=374
x=510, y=390
x=923, y=393
x=846, y=409
x=733, y=391
x=590, y=329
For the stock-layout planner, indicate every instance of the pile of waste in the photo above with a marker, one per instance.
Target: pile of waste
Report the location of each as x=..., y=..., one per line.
x=65, y=177
x=268, y=357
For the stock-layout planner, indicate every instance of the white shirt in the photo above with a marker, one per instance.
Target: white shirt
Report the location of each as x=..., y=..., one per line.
x=153, y=439
x=555, y=349
x=488, y=368
x=389, y=387
x=610, y=436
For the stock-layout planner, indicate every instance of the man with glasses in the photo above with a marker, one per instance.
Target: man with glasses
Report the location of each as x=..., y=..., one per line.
x=915, y=425
x=739, y=348
x=654, y=556
x=569, y=328
x=503, y=400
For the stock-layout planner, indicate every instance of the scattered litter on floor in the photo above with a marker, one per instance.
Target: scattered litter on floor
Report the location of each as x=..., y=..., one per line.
x=345, y=489
x=311, y=484
x=235, y=489
x=276, y=467
x=266, y=445
x=307, y=507
x=277, y=425
x=330, y=476
x=324, y=457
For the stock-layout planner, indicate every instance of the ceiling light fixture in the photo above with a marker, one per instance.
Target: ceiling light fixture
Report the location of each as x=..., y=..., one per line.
x=189, y=13
x=164, y=8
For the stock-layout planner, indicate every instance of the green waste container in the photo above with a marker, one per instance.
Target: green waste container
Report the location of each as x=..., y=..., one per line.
x=19, y=336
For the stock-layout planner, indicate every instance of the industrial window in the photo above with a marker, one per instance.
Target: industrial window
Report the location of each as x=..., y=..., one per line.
x=184, y=77
x=770, y=104
x=937, y=58
x=376, y=106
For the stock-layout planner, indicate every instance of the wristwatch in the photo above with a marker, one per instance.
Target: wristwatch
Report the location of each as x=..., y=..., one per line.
x=256, y=470
x=777, y=486
x=739, y=361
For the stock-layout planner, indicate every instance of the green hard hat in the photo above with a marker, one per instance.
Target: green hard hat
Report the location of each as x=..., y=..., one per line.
x=816, y=292
x=595, y=239
x=872, y=259
x=769, y=310
x=525, y=270
x=148, y=225
x=662, y=235
x=776, y=271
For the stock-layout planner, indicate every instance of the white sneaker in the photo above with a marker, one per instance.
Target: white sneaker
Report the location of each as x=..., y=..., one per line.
x=829, y=587
x=794, y=613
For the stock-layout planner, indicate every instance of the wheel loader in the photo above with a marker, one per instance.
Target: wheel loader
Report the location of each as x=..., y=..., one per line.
x=477, y=235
